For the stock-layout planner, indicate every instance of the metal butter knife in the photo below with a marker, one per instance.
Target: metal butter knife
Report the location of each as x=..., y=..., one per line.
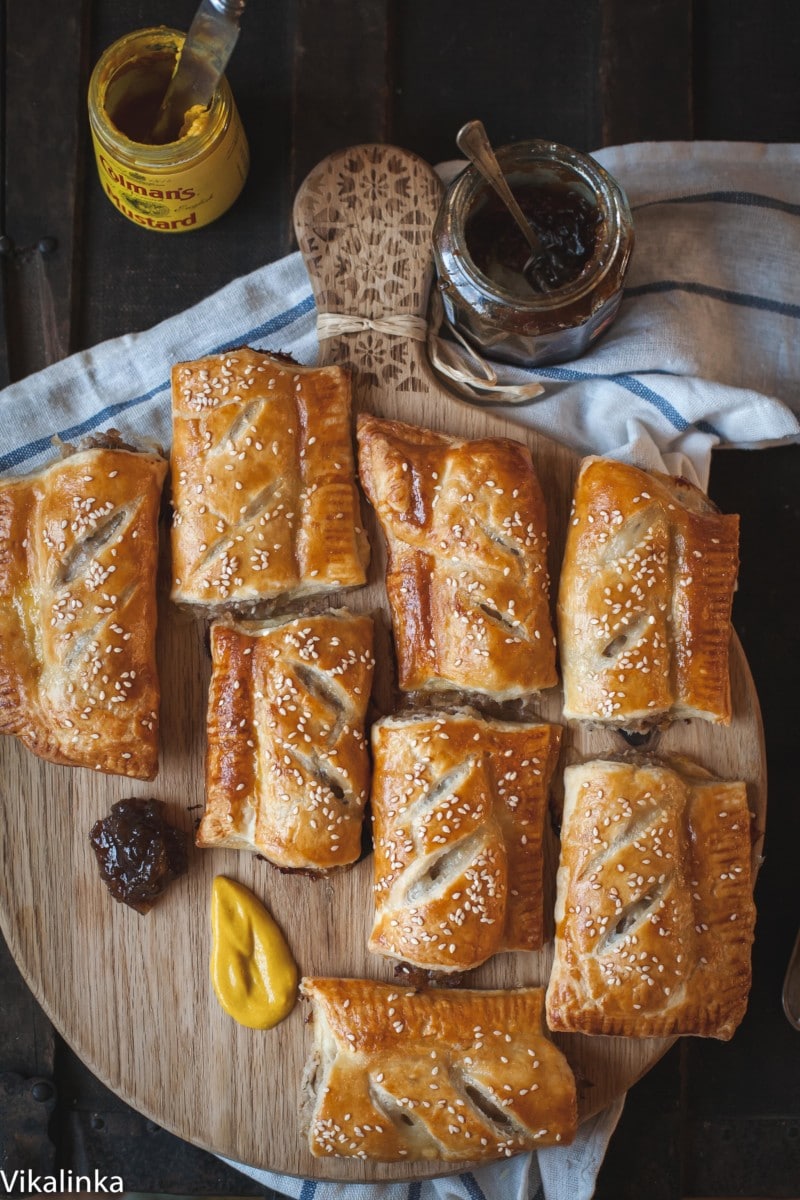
x=201, y=64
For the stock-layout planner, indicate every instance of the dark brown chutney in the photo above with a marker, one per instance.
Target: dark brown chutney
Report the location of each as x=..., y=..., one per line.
x=139, y=853
x=564, y=218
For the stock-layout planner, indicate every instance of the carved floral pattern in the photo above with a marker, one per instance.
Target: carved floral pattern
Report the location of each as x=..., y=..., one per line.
x=364, y=222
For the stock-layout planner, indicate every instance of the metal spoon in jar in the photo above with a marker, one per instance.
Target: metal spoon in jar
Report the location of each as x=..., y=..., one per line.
x=472, y=140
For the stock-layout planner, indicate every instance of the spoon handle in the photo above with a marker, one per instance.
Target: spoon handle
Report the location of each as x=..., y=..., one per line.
x=473, y=141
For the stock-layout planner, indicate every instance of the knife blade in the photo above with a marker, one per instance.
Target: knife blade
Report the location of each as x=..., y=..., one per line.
x=200, y=65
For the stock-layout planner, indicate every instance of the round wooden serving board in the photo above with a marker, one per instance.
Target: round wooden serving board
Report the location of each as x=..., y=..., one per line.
x=131, y=994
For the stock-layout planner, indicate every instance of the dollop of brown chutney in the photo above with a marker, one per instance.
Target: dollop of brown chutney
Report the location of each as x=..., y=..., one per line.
x=139, y=853
x=565, y=219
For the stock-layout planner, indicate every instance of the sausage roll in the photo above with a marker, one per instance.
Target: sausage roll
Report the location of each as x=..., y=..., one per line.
x=78, y=563
x=458, y=809
x=287, y=765
x=460, y=1076
x=263, y=483
x=467, y=576
x=654, y=915
x=644, y=605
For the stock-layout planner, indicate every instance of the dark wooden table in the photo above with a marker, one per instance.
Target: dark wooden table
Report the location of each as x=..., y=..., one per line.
x=310, y=77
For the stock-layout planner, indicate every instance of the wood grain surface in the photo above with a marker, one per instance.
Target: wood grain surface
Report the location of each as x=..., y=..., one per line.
x=132, y=994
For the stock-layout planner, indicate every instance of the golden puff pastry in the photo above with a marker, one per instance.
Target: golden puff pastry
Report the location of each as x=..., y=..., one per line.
x=287, y=765
x=263, y=482
x=460, y=1076
x=467, y=577
x=654, y=915
x=458, y=809
x=644, y=606
x=78, y=563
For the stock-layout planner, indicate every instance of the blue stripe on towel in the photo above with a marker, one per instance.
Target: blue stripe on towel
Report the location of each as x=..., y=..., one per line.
x=743, y=299
x=746, y=199
x=308, y=1189
x=629, y=382
x=637, y=388
x=274, y=325
x=414, y=1191
x=303, y=307
x=474, y=1191
x=31, y=449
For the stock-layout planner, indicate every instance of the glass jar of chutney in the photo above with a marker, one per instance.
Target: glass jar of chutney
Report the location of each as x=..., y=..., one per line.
x=482, y=259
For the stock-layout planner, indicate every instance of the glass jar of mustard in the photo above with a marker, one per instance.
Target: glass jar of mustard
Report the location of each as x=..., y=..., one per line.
x=584, y=222
x=185, y=182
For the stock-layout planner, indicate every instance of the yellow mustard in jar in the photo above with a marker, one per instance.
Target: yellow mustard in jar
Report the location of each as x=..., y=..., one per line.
x=252, y=969
x=183, y=183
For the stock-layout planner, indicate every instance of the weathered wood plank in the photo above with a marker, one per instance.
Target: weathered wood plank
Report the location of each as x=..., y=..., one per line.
x=40, y=170
x=746, y=81
x=5, y=376
x=27, y=1095
x=341, y=87
x=44, y=94
x=645, y=71
x=528, y=70
x=5, y=242
x=26, y=1036
x=643, y=1157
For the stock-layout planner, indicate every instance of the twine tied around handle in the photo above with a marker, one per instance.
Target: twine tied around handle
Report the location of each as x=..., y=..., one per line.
x=471, y=374
x=401, y=325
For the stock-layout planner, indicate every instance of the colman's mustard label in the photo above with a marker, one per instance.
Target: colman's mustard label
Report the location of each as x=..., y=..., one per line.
x=187, y=198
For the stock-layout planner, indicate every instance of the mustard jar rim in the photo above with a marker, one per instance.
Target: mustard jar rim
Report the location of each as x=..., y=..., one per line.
x=166, y=156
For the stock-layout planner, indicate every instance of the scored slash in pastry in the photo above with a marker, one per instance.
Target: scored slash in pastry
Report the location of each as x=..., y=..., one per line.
x=458, y=809
x=461, y=1076
x=467, y=578
x=644, y=605
x=78, y=562
x=654, y=915
x=287, y=765
x=263, y=482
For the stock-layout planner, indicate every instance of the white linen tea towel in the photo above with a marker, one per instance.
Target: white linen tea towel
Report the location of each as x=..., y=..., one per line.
x=705, y=352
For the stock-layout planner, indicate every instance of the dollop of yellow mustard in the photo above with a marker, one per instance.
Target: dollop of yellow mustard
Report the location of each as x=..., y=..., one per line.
x=195, y=120
x=252, y=969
